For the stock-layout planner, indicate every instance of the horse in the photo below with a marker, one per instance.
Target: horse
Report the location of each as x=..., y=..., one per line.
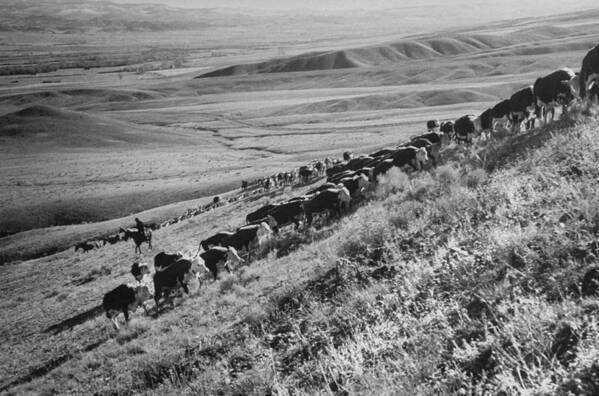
x=137, y=238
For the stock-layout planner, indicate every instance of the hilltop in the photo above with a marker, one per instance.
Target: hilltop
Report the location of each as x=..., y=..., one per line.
x=464, y=278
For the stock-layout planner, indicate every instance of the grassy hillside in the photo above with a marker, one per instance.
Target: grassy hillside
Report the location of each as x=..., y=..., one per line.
x=467, y=280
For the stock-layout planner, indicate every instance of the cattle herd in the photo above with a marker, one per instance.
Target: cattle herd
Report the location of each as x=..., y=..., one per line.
x=348, y=181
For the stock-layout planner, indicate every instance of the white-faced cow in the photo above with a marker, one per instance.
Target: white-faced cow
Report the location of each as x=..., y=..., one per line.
x=139, y=270
x=501, y=115
x=523, y=108
x=553, y=90
x=217, y=259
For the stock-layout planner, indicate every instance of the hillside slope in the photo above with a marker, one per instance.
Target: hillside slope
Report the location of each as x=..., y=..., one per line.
x=467, y=279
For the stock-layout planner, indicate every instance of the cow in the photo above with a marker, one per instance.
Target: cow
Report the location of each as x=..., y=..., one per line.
x=483, y=124
x=336, y=169
x=332, y=200
x=367, y=171
x=589, y=71
x=267, y=220
x=410, y=156
x=248, y=236
x=553, y=90
x=501, y=114
x=382, y=153
x=215, y=240
x=218, y=258
x=244, y=184
x=464, y=128
x=356, y=185
x=123, y=299
x=305, y=173
x=138, y=238
x=319, y=167
x=318, y=189
x=259, y=213
x=356, y=163
x=287, y=213
x=139, y=270
x=162, y=260
x=432, y=125
x=85, y=246
x=523, y=108
x=432, y=150
x=112, y=239
x=593, y=93
x=177, y=274
x=338, y=176
x=440, y=138
x=382, y=168
x=446, y=128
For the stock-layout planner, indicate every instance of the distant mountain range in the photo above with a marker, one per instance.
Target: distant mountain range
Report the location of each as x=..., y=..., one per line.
x=72, y=16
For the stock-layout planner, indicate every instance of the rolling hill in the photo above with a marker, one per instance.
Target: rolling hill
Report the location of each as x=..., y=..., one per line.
x=525, y=37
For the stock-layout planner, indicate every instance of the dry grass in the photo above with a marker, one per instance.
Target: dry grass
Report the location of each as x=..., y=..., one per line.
x=455, y=281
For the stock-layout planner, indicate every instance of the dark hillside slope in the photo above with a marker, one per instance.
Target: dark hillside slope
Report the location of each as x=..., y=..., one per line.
x=468, y=279
x=41, y=127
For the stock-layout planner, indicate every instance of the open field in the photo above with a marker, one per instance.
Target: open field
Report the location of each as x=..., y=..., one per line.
x=418, y=291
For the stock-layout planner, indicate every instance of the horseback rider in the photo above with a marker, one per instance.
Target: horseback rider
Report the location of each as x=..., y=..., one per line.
x=140, y=228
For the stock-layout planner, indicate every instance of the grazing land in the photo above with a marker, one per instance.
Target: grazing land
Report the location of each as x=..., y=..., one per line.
x=462, y=279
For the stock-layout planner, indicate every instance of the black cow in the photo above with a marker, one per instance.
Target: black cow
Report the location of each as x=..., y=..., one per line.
x=464, y=128
x=112, y=239
x=382, y=168
x=287, y=213
x=355, y=185
x=523, y=108
x=332, y=200
x=440, y=138
x=85, y=246
x=412, y=156
x=138, y=271
x=589, y=71
x=318, y=189
x=215, y=240
x=501, y=113
x=432, y=150
x=220, y=256
x=367, y=170
x=447, y=128
x=338, y=176
x=247, y=236
x=259, y=213
x=336, y=169
x=305, y=173
x=163, y=260
x=484, y=122
x=356, y=163
x=176, y=275
x=123, y=299
x=553, y=90
x=382, y=153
